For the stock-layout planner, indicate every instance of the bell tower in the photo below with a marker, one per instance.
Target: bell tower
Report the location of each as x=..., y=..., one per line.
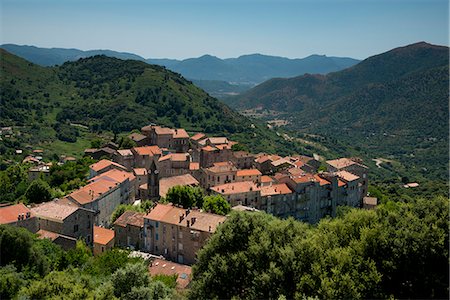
x=153, y=181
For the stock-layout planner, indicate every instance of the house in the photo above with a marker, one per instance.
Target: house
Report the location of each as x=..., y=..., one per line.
x=105, y=152
x=125, y=158
x=145, y=156
x=168, y=268
x=239, y=193
x=128, y=229
x=278, y=200
x=166, y=183
x=19, y=215
x=66, y=219
x=263, y=162
x=103, y=240
x=219, y=173
x=370, y=202
x=176, y=139
x=352, y=189
x=178, y=234
x=141, y=175
x=103, y=166
x=211, y=154
x=248, y=175
x=174, y=164
x=242, y=159
x=66, y=242
x=354, y=166
x=38, y=171
x=104, y=193
x=139, y=139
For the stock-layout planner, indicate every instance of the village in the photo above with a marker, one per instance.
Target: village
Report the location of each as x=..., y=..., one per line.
x=294, y=186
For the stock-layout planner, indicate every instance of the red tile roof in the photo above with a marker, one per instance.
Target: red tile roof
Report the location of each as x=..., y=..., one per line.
x=275, y=189
x=197, y=136
x=171, y=215
x=104, y=163
x=235, y=188
x=166, y=183
x=44, y=234
x=180, y=133
x=114, y=175
x=347, y=176
x=266, y=178
x=322, y=181
x=92, y=191
x=54, y=210
x=164, y=267
x=10, y=213
x=248, y=172
x=175, y=157
x=148, y=150
x=194, y=166
x=130, y=218
x=125, y=152
x=140, y=171
x=102, y=235
x=343, y=163
x=209, y=148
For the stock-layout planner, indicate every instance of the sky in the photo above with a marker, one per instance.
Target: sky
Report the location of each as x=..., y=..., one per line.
x=187, y=28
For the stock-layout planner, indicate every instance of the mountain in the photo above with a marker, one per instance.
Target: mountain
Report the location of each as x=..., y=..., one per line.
x=394, y=105
x=58, y=56
x=105, y=94
x=247, y=69
x=254, y=68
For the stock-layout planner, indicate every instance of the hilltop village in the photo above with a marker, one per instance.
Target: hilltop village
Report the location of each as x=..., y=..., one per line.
x=295, y=186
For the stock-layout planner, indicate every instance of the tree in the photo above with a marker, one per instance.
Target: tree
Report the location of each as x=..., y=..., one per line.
x=129, y=277
x=186, y=196
x=216, y=204
x=38, y=191
x=10, y=282
x=126, y=143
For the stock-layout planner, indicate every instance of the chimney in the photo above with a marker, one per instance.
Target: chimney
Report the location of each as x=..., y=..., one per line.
x=187, y=211
x=181, y=217
x=28, y=215
x=187, y=221
x=18, y=217
x=209, y=228
x=193, y=220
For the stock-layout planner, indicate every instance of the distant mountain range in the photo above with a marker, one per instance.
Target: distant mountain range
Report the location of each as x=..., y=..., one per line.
x=233, y=75
x=394, y=104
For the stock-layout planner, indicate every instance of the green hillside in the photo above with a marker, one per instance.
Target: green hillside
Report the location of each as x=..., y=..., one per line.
x=392, y=106
x=80, y=101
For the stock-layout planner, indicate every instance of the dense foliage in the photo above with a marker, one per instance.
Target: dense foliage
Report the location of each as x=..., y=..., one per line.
x=38, y=269
x=400, y=250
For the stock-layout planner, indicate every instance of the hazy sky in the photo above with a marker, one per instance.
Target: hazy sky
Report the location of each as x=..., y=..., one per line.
x=184, y=28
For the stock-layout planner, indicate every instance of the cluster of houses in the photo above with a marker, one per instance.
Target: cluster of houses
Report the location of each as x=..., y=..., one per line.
x=166, y=157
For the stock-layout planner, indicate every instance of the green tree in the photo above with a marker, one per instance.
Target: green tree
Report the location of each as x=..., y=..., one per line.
x=80, y=255
x=216, y=204
x=186, y=196
x=131, y=276
x=10, y=282
x=38, y=191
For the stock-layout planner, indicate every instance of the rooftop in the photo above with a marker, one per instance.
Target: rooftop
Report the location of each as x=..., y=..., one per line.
x=140, y=171
x=130, y=218
x=218, y=140
x=44, y=234
x=197, y=136
x=170, y=214
x=209, y=148
x=235, y=188
x=148, y=150
x=322, y=181
x=180, y=133
x=92, y=191
x=163, y=130
x=102, y=235
x=343, y=163
x=164, y=267
x=194, y=166
x=266, y=178
x=248, y=172
x=125, y=152
x=54, y=210
x=104, y=163
x=275, y=189
x=347, y=176
x=116, y=176
x=166, y=183
x=175, y=157
x=10, y=213
x=221, y=167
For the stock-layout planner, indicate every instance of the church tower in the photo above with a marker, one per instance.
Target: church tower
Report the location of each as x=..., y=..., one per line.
x=153, y=181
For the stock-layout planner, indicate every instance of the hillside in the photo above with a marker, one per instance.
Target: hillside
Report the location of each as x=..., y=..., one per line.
x=103, y=94
x=393, y=105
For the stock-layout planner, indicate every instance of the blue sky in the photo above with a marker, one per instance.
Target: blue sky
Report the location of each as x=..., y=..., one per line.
x=185, y=28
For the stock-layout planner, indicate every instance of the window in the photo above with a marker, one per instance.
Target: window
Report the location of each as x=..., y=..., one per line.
x=156, y=237
x=103, y=249
x=156, y=224
x=180, y=246
x=75, y=228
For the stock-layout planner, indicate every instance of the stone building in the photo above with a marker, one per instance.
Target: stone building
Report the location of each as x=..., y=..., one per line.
x=128, y=229
x=219, y=173
x=103, y=240
x=178, y=234
x=19, y=215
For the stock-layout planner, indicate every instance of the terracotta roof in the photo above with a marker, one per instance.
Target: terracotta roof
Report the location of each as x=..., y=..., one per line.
x=9, y=214
x=194, y=166
x=341, y=183
x=140, y=171
x=281, y=161
x=347, y=176
x=265, y=158
x=322, y=181
x=175, y=157
x=166, y=183
x=102, y=235
x=104, y=163
x=92, y=191
x=130, y=218
x=44, y=234
x=164, y=267
x=343, y=163
x=54, y=210
x=266, y=178
x=275, y=189
x=223, y=146
x=170, y=214
x=235, y=188
x=197, y=136
x=114, y=175
x=304, y=178
x=137, y=137
x=180, y=133
x=209, y=148
x=163, y=130
x=218, y=140
x=220, y=167
x=248, y=172
x=125, y=152
x=296, y=171
x=148, y=150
